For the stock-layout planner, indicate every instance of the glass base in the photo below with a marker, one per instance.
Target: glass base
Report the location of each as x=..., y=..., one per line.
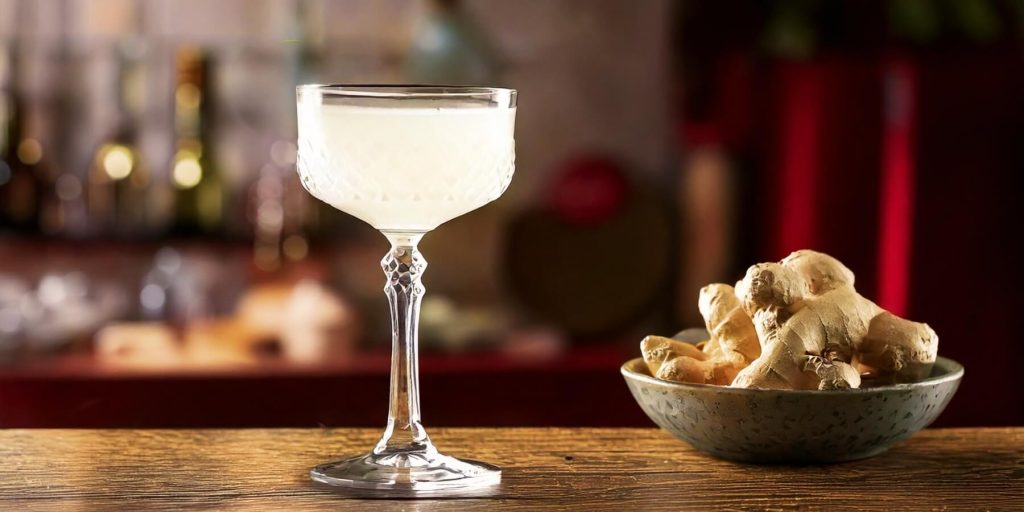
x=407, y=471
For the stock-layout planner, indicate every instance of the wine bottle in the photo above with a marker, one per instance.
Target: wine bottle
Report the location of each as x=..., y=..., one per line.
x=119, y=179
x=21, y=153
x=200, y=190
x=8, y=139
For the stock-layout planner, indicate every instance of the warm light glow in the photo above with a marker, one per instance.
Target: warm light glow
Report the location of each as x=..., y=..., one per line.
x=187, y=172
x=30, y=152
x=188, y=96
x=295, y=247
x=118, y=161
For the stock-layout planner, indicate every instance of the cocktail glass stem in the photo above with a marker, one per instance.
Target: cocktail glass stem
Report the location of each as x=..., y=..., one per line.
x=403, y=267
x=404, y=458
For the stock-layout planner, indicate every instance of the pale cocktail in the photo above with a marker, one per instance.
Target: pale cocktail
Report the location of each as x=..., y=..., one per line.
x=407, y=169
x=405, y=159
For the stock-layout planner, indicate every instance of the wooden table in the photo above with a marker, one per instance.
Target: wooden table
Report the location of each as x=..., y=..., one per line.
x=572, y=469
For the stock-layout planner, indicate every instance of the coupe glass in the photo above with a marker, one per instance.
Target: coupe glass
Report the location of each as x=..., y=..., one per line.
x=405, y=159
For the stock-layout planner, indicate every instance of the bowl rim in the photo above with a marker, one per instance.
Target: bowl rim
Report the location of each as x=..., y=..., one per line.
x=956, y=372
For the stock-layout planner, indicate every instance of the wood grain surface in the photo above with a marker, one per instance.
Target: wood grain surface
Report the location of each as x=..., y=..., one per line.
x=556, y=469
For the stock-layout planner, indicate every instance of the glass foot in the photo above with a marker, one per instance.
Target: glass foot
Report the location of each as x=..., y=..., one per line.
x=407, y=471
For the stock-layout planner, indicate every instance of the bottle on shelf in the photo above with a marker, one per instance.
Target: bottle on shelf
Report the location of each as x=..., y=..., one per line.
x=200, y=192
x=24, y=167
x=119, y=180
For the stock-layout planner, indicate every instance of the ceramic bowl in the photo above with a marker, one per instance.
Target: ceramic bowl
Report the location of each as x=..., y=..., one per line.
x=793, y=426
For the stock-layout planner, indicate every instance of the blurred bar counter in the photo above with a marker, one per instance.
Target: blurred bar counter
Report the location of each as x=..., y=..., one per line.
x=576, y=388
x=136, y=334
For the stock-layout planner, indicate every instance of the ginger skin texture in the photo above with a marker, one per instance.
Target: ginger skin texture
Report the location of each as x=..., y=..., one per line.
x=732, y=346
x=806, y=306
x=795, y=324
x=679, y=361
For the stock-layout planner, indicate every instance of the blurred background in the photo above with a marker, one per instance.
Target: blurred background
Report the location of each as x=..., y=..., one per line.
x=160, y=264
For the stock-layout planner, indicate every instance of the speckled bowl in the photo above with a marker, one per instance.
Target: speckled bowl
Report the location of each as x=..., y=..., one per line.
x=787, y=426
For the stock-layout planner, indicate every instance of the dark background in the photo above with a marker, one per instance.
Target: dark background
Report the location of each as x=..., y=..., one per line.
x=660, y=146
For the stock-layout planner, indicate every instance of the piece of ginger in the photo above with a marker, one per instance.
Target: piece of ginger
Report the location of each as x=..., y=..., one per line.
x=679, y=361
x=730, y=328
x=832, y=374
x=807, y=305
x=896, y=348
x=732, y=345
x=658, y=349
x=795, y=324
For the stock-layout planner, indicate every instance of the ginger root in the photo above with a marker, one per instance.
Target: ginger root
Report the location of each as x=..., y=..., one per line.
x=832, y=374
x=732, y=333
x=807, y=305
x=899, y=349
x=657, y=350
x=821, y=272
x=669, y=359
x=732, y=346
x=795, y=324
